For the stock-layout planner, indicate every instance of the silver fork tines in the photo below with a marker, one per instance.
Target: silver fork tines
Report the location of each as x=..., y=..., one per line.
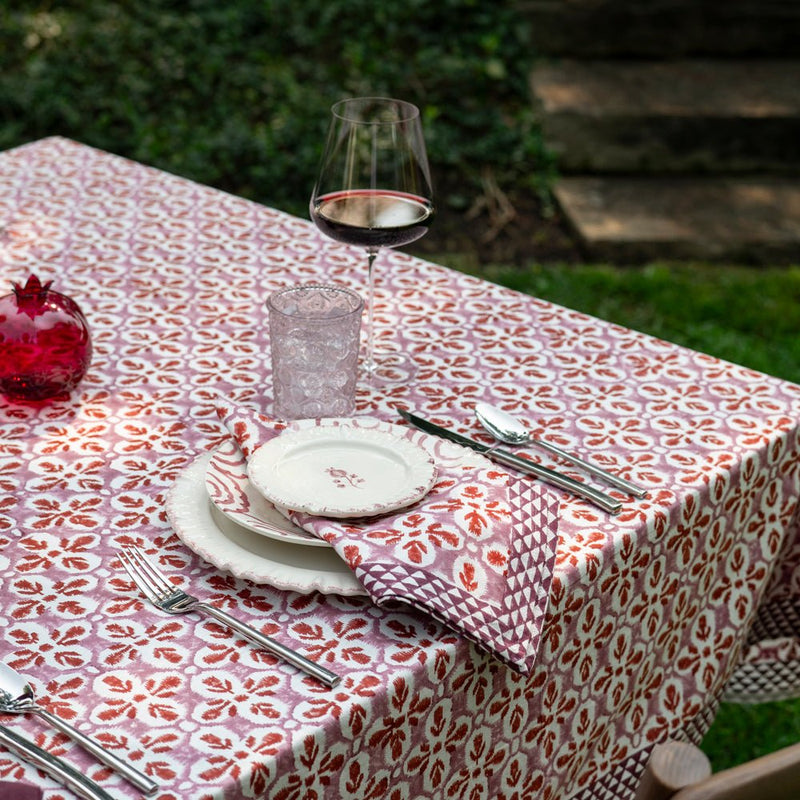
x=151, y=581
x=171, y=598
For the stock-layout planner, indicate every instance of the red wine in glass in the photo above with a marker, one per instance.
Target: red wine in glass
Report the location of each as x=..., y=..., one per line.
x=372, y=218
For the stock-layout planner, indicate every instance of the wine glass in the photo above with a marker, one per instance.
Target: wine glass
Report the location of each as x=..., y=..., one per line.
x=374, y=190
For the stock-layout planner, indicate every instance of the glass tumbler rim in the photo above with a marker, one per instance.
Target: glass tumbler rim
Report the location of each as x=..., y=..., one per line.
x=356, y=305
x=409, y=111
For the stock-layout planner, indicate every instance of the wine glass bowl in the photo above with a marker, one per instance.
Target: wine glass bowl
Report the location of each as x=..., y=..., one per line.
x=374, y=190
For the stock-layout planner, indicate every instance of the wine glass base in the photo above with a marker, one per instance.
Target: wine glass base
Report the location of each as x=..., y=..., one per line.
x=389, y=367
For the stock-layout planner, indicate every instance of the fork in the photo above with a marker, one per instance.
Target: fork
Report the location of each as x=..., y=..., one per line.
x=168, y=597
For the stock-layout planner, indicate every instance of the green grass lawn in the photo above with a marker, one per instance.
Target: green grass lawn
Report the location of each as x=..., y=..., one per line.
x=750, y=316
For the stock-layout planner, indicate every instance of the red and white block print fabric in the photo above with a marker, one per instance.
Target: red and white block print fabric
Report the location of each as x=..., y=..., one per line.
x=477, y=552
x=649, y=610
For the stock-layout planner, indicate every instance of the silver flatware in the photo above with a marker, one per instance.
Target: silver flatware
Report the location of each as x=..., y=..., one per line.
x=168, y=597
x=600, y=499
x=507, y=428
x=52, y=765
x=17, y=697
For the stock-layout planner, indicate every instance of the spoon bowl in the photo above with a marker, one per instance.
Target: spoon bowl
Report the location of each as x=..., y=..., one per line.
x=15, y=691
x=17, y=697
x=503, y=426
x=507, y=428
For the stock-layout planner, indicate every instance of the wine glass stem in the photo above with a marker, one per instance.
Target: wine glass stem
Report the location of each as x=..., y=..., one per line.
x=370, y=363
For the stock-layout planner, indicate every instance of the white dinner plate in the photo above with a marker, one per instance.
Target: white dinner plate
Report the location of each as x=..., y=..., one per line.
x=341, y=471
x=232, y=493
x=246, y=554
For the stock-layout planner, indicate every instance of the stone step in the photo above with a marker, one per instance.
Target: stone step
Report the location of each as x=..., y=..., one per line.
x=671, y=116
x=662, y=28
x=641, y=219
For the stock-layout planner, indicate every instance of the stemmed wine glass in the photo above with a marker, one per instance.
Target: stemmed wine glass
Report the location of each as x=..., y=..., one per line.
x=374, y=190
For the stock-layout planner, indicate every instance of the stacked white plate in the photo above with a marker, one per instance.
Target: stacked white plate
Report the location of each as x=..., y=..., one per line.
x=234, y=514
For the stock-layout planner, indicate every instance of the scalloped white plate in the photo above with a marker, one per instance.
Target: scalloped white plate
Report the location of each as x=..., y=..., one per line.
x=232, y=493
x=341, y=471
x=246, y=554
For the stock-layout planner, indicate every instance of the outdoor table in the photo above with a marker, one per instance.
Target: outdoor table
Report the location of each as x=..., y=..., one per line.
x=649, y=610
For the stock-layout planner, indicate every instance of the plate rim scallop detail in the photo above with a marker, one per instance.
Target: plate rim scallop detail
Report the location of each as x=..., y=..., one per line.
x=194, y=522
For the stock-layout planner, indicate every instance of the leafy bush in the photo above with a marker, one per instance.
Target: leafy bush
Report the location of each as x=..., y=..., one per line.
x=237, y=95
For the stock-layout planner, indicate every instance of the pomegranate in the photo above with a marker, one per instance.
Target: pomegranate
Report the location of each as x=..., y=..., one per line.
x=45, y=343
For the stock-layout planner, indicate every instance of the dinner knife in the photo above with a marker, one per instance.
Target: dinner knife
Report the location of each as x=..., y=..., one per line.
x=600, y=499
x=56, y=768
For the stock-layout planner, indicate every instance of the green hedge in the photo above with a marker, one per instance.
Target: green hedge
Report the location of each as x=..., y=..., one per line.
x=237, y=94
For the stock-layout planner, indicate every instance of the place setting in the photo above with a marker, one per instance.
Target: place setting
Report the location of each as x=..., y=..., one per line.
x=413, y=518
x=313, y=498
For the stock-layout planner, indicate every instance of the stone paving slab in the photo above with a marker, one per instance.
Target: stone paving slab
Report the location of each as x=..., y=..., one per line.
x=681, y=87
x=735, y=219
x=671, y=116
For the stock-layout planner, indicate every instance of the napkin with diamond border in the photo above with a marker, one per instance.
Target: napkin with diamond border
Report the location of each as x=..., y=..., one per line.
x=476, y=553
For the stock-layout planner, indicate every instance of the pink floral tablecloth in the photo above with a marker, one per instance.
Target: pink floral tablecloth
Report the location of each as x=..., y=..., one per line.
x=650, y=611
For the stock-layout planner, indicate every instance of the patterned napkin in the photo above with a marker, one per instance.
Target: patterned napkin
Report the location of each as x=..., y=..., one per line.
x=476, y=553
x=19, y=791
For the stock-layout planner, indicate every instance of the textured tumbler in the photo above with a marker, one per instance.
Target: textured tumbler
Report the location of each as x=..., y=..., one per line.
x=314, y=336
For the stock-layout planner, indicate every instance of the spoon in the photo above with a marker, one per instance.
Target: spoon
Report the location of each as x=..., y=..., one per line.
x=507, y=428
x=16, y=697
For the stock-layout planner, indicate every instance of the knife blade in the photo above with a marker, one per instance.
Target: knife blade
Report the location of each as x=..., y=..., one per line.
x=52, y=765
x=504, y=457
